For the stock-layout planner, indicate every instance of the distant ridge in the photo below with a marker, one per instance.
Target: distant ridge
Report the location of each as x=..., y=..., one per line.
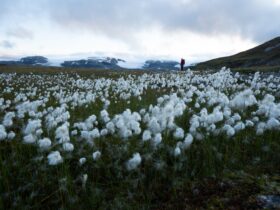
x=94, y=63
x=29, y=60
x=264, y=55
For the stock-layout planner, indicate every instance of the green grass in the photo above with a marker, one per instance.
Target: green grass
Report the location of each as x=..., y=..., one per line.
x=30, y=184
x=216, y=173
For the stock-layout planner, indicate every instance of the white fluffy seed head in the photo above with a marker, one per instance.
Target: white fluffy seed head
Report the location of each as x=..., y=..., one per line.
x=261, y=128
x=54, y=158
x=74, y=133
x=44, y=143
x=146, y=135
x=110, y=127
x=104, y=116
x=29, y=139
x=62, y=133
x=104, y=132
x=94, y=133
x=188, y=141
x=229, y=130
x=134, y=162
x=82, y=161
x=96, y=155
x=273, y=123
x=3, y=133
x=157, y=139
x=239, y=127
x=243, y=100
x=249, y=123
x=68, y=147
x=32, y=126
x=179, y=133
x=11, y=135
x=39, y=132
x=8, y=119
x=177, y=151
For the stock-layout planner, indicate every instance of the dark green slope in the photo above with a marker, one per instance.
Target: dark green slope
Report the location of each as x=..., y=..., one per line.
x=264, y=55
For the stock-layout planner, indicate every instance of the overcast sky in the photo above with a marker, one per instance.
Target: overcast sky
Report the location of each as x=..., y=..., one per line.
x=167, y=29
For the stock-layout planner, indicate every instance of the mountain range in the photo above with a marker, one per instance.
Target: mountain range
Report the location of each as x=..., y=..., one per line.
x=30, y=60
x=264, y=55
x=95, y=62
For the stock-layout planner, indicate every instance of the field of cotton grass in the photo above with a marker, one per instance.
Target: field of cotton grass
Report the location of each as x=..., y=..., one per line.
x=175, y=140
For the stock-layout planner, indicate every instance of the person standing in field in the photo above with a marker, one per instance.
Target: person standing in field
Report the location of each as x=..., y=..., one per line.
x=182, y=64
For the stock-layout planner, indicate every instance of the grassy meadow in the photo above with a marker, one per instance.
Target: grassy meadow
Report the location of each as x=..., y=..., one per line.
x=204, y=140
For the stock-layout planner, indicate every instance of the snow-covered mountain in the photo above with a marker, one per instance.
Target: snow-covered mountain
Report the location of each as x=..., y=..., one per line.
x=96, y=62
x=29, y=60
x=161, y=65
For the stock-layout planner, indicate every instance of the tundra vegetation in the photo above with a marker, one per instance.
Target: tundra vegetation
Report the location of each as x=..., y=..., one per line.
x=174, y=140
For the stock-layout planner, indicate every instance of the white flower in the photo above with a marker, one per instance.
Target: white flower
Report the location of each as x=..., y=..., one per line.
x=239, y=126
x=229, y=130
x=188, y=141
x=255, y=119
x=86, y=135
x=261, y=128
x=8, y=119
x=227, y=112
x=177, y=151
x=243, y=100
x=3, y=133
x=110, y=127
x=179, y=133
x=84, y=180
x=82, y=161
x=236, y=117
x=68, y=147
x=11, y=135
x=134, y=162
x=104, y=132
x=215, y=117
x=146, y=135
x=54, y=158
x=104, y=116
x=125, y=133
x=154, y=125
x=94, y=133
x=157, y=139
x=272, y=123
x=62, y=133
x=44, y=143
x=249, y=123
x=74, y=133
x=142, y=112
x=96, y=155
x=39, y=132
x=32, y=126
x=29, y=139
x=160, y=100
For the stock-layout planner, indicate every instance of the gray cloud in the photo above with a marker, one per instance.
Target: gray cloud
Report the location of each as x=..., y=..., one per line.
x=253, y=19
x=20, y=32
x=258, y=20
x=7, y=44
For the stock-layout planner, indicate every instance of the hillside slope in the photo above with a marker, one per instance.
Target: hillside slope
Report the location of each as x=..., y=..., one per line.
x=264, y=55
